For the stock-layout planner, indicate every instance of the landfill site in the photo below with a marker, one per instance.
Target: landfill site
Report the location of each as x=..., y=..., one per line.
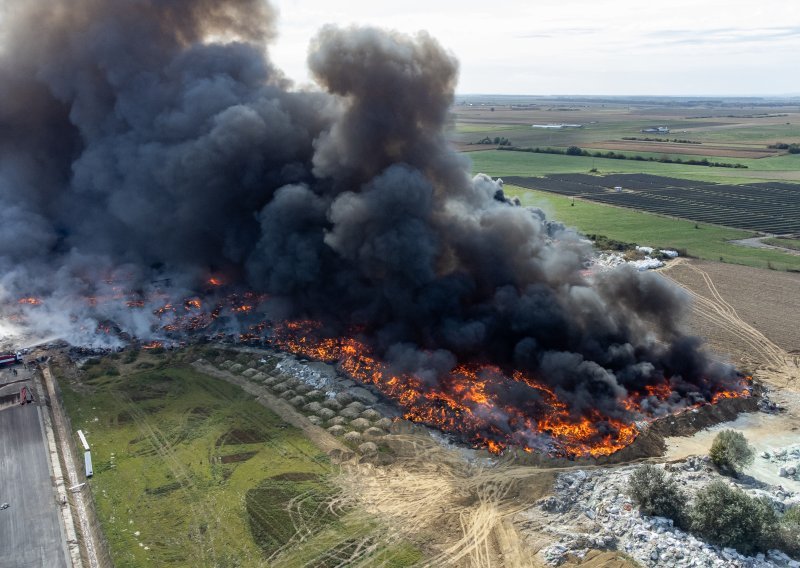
x=246, y=322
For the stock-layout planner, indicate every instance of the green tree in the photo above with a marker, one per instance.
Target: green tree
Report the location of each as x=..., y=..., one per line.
x=574, y=151
x=731, y=452
x=657, y=494
x=729, y=517
x=789, y=532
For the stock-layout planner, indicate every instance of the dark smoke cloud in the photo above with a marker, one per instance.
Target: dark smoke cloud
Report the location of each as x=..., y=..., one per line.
x=146, y=139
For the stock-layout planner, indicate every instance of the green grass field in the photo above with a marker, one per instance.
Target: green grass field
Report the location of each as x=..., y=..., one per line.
x=602, y=122
x=506, y=163
x=191, y=471
x=707, y=242
x=793, y=244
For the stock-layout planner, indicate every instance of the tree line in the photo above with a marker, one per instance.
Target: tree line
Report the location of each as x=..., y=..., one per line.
x=611, y=155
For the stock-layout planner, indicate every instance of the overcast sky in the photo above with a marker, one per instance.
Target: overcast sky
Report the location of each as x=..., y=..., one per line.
x=601, y=47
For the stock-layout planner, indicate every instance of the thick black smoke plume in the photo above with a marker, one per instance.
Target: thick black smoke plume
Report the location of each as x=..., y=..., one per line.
x=151, y=139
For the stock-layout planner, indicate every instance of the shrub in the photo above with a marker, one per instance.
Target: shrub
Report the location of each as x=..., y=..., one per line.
x=788, y=538
x=730, y=451
x=130, y=356
x=656, y=494
x=729, y=517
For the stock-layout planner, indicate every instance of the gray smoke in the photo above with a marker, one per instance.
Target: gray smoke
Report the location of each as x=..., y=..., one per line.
x=150, y=139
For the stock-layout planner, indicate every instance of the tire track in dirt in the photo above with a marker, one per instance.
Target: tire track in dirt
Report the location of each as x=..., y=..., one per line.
x=465, y=508
x=777, y=367
x=161, y=445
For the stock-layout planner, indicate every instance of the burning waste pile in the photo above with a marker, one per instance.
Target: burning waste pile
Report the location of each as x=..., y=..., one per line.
x=160, y=177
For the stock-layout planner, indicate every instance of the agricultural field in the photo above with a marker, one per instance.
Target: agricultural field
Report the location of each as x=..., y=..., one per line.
x=192, y=471
x=700, y=240
x=765, y=207
x=720, y=204
x=785, y=168
x=730, y=127
x=730, y=131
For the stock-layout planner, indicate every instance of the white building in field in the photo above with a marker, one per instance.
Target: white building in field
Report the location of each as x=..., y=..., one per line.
x=557, y=126
x=656, y=130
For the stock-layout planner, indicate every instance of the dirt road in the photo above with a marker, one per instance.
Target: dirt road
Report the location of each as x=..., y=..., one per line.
x=758, y=242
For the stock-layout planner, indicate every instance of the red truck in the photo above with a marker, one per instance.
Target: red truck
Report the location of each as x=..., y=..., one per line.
x=10, y=359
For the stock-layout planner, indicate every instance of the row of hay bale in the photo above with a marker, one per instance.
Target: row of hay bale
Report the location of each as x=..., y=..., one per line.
x=342, y=415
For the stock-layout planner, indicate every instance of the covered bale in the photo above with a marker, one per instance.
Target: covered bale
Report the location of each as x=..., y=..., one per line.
x=325, y=413
x=353, y=437
x=360, y=424
x=344, y=398
x=333, y=404
x=298, y=401
x=349, y=413
x=315, y=394
x=371, y=414
x=357, y=406
x=337, y=430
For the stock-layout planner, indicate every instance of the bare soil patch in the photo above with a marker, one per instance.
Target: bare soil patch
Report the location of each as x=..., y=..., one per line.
x=233, y=437
x=767, y=300
x=235, y=458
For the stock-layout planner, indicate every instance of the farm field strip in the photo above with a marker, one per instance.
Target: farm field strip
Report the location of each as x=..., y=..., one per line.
x=783, y=169
x=759, y=207
x=707, y=241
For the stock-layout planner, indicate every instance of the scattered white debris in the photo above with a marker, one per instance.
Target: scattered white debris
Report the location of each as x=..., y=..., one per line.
x=646, y=263
x=592, y=510
x=304, y=372
x=606, y=260
x=787, y=460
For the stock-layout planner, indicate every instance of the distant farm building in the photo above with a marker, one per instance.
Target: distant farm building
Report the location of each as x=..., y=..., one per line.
x=656, y=130
x=557, y=126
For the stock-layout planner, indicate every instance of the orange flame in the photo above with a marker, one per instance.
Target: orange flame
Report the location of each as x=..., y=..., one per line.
x=469, y=400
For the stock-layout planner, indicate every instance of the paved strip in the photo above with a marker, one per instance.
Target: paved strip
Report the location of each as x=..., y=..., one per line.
x=73, y=477
x=30, y=530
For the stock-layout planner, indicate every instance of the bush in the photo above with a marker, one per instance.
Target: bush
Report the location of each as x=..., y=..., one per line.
x=730, y=451
x=729, y=517
x=658, y=495
x=788, y=537
x=130, y=356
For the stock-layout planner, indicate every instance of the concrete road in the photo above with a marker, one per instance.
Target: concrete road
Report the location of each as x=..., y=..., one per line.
x=31, y=534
